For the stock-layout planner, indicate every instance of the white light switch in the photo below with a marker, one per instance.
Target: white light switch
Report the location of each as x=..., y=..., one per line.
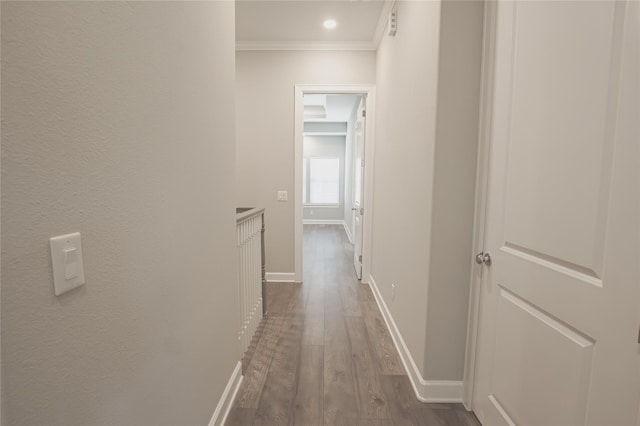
x=70, y=263
x=283, y=195
x=66, y=258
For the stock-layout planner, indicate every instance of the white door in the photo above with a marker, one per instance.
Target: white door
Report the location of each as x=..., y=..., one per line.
x=358, y=189
x=558, y=331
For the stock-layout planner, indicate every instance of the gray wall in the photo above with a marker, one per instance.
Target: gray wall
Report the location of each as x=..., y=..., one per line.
x=117, y=121
x=265, y=137
x=454, y=173
x=428, y=80
x=325, y=146
x=406, y=100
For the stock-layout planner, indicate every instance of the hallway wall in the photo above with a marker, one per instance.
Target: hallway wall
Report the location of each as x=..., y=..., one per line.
x=459, y=63
x=265, y=137
x=118, y=122
x=406, y=78
x=425, y=160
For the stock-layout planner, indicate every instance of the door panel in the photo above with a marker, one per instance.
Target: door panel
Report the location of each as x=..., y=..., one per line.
x=557, y=331
x=559, y=151
x=358, y=189
x=528, y=341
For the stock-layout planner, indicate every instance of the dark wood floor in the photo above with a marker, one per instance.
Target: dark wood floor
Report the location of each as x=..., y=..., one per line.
x=325, y=356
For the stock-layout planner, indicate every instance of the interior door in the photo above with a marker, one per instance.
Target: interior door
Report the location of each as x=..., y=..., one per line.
x=558, y=330
x=358, y=188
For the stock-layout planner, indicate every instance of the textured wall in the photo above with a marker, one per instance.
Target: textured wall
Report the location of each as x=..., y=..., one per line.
x=265, y=139
x=118, y=122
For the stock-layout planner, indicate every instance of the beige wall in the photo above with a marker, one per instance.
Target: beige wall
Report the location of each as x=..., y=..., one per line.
x=117, y=121
x=265, y=136
x=406, y=93
x=460, y=60
x=425, y=157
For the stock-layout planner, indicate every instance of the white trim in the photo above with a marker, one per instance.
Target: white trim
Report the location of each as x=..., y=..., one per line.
x=305, y=45
x=482, y=173
x=444, y=391
x=426, y=390
x=298, y=129
x=322, y=206
x=367, y=217
x=372, y=45
x=323, y=222
x=347, y=231
x=280, y=277
x=383, y=22
x=228, y=396
x=352, y=89
x=325, y=133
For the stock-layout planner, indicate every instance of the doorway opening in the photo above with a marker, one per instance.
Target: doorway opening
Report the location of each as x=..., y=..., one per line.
x=333, y=139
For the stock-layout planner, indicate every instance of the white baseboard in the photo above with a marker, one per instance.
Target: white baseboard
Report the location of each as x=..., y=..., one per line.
x=442, y=390
x=280, y=277
x=348, y=231
x=227, y=398
x=322, y=221
x=426, y=390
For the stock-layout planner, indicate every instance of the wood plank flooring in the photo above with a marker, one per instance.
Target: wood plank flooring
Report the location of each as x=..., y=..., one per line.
x=325, y=356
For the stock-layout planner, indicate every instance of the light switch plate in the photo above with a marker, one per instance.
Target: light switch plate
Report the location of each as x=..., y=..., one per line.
x=283, y=195
x=66, y=258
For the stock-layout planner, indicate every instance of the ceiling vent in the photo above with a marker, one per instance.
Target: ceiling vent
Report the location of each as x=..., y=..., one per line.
x=393, y=23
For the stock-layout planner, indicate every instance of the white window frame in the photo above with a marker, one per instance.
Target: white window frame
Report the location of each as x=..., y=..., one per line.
x=306, y=200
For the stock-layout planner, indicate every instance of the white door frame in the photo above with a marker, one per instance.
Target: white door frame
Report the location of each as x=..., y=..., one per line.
x=482, y=173
x=355, y=89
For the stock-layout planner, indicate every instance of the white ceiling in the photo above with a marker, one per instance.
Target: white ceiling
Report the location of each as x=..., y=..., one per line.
x=297, y=24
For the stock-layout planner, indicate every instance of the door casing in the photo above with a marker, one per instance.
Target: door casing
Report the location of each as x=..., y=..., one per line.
x=359, y=149
x=368, y=92
x=482, y=173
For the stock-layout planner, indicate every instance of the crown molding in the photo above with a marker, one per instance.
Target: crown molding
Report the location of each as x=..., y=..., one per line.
x=371, y=45
x=304, y=45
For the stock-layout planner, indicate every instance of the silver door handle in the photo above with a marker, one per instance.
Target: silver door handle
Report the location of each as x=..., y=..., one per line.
x=354, y=209
x=483, y=258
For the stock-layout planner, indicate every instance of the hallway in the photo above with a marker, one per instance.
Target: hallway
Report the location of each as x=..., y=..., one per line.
x=325, y=355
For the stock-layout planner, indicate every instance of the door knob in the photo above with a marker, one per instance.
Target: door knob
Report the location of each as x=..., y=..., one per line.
x=483, y=258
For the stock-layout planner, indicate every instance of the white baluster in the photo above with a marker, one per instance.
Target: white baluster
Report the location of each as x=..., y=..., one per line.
x=249, y=252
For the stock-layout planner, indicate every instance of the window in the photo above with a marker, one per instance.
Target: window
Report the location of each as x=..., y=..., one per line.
x=323, y=179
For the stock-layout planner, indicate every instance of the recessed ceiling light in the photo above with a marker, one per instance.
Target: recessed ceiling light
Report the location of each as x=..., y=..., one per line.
x=329, y=24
